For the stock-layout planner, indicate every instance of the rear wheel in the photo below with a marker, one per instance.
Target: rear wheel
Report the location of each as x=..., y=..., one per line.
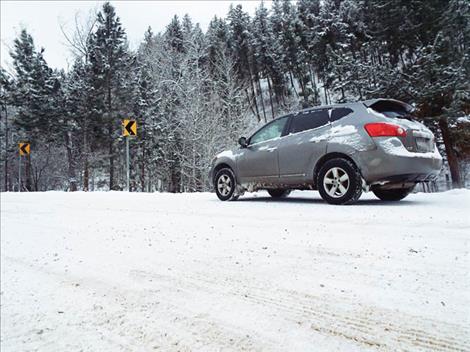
x=278, y=193
x=339, y=182
x=224, y=185
x=392, y=194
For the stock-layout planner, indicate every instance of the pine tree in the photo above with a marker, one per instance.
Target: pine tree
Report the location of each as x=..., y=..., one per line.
x=441, y=78
x=264, y=56
x=218, y=44
x=109, y=61
x=5, y=102
x=145, y=109
x=239, y=22
x=34, y=96
x=308, y=14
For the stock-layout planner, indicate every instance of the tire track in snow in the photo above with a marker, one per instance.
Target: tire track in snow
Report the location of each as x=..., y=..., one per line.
x=371, y=326
x=187, y=331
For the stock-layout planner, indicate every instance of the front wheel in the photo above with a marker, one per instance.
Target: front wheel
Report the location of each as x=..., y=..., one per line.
x=339, y=182
x=392, y=194
x=224, y=185
x=278, y=193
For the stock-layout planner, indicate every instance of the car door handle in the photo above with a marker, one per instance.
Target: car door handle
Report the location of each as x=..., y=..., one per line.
x=315, y=140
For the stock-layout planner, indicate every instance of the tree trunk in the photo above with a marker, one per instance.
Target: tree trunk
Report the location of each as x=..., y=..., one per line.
x=110, y=134
x=262, y=99
x=174, y=181
x=71, y=165
x=193, y=171
x=451, y=157
x=251, y=105
x=111, y=158
x=254, y=99
x=86, y=171
x=142, y=170
x=28, y=176
x=302, y=89
x=270, y=97
x=86, y=174
x=149, y=184
x=314, y=86
x=292, y=83
x=6, y=150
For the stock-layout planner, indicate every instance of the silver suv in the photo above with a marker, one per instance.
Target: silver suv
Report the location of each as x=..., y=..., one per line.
x=339, y=150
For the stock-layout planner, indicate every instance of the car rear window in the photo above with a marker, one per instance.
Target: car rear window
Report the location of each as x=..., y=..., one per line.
x=339, y=113
x=390, y=109
x=309, y=120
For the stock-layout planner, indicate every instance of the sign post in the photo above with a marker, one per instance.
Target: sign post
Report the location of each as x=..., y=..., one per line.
x=128, y=165
x=19, y=172
x=129, y=129
x=24, y=149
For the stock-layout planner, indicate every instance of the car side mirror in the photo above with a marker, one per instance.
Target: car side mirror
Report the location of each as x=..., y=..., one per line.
x=243, y=142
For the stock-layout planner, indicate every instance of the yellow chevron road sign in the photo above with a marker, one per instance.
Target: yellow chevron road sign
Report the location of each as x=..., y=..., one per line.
x=129, y=128
x=25, y=148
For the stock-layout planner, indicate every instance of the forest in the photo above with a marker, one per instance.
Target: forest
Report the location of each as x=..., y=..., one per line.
x=193, y=92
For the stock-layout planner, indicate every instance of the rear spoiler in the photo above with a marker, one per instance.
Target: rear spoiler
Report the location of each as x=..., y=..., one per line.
x=408, y=108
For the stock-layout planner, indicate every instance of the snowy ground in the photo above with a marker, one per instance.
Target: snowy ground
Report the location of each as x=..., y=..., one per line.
x=141, y=272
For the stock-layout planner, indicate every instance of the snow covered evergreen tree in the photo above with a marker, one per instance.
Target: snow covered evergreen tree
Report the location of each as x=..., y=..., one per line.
x=109, y=62
x=35, y=95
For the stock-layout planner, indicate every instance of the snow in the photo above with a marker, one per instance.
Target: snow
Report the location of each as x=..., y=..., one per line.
x=393, y=146
x=228, y=154
x=337, y=131
x=342, y=134
x=268, y=148
x=464, y=119
x=185, y=272
x=348, y=135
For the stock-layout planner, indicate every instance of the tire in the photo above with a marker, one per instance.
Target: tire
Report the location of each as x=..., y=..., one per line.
x=339, y=182
x=278, y=193
x=225, y=185
x=393, y=195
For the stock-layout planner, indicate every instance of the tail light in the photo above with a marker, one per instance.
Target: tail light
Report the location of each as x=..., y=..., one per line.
x=381, y=129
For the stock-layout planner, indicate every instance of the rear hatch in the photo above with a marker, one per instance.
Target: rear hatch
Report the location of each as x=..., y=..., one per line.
x=419, y=138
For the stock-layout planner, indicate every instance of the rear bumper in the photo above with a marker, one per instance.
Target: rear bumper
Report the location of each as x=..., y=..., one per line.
x=398, y=165
x=410, y=178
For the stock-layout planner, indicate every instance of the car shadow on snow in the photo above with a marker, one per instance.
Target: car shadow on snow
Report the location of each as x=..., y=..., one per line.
x=302, y=200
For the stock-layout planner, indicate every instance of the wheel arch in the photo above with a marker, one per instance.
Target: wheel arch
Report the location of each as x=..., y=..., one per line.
x=329, y=156
x=220, y=166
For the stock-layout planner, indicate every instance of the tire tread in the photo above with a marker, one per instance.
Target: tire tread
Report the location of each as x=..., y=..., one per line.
x=356, y=178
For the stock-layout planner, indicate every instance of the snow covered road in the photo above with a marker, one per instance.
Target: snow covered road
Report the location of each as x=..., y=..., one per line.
x=186, y=272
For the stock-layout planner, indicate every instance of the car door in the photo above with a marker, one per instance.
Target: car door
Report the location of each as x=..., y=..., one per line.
x=304, y=144
x=258, y=162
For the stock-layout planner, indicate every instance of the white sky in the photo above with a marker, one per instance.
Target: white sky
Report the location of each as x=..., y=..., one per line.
x=43, y=18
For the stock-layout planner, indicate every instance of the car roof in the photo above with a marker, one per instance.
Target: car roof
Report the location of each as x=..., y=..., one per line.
x=367, y=103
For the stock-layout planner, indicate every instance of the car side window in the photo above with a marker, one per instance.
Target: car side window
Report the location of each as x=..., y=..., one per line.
x=309, y=120
x=270, y=131
x=339, y=113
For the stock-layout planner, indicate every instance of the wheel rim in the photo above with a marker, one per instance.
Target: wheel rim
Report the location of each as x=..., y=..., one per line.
x=224, y=185
x=336, y=182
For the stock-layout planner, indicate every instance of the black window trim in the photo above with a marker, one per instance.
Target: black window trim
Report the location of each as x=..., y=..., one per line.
x=340, y=107
x=288, y=126
x=309, y=111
